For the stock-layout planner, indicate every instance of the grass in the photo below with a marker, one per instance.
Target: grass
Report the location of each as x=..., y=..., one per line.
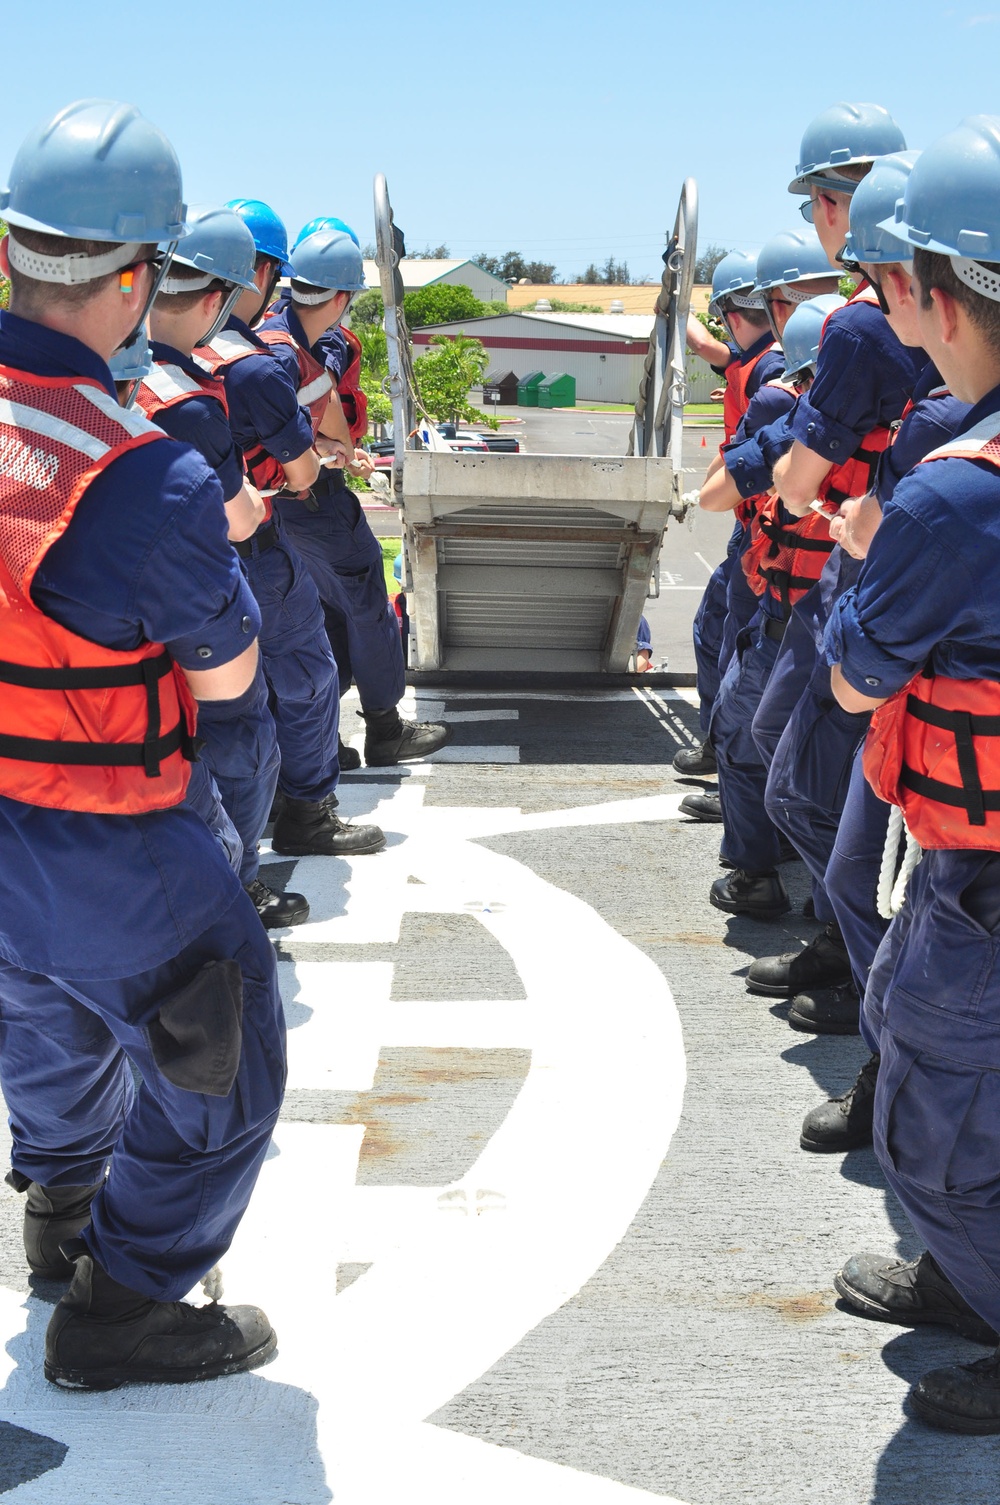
x=391, y=547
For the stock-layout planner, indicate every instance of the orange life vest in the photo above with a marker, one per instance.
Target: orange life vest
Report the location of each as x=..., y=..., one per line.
x=352, y=399
x=933, y=748
x=82, y=727
x=788, y=558
x=315, y=386
x=735, y=401
x=167, y=385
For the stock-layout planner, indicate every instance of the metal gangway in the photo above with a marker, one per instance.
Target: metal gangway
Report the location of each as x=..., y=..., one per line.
x=512, y=561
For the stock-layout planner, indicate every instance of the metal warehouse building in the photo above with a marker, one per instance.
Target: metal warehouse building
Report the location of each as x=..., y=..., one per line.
x=418, y=272
x=604, y=352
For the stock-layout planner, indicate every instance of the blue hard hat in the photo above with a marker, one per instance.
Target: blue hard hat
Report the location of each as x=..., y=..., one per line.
x=873, y=204
x=328, y=259
x=735, y=274
x=951, y=204
x=133, y=361
x=792, y=256
x=800, y=336
x=845, y=134
x=98, y=170
x=269, y=234
x=325, y=222
x=219, y=244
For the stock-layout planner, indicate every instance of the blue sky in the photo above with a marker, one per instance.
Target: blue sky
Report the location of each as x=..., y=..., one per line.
x=562, y=130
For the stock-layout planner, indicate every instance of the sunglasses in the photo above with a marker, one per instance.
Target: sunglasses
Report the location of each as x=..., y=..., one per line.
x=807, y=208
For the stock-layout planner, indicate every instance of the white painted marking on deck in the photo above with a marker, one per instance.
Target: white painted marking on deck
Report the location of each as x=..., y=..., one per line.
x=459, y=1274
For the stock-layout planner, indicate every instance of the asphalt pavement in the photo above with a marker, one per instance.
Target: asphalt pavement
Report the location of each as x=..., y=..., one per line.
x=535, y=1224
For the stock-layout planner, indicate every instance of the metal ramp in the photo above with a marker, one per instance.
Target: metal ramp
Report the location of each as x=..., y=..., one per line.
x=514, y=561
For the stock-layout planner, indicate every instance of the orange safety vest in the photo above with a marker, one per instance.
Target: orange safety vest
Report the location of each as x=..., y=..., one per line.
x=315, y=386
x=933, y=748
x=735, y=401
x=788, y=558
x=82, y=727
x=352, y=399
x=167, y=385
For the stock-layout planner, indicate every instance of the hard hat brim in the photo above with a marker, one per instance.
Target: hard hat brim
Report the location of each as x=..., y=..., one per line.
x=21, y=221
x=920, y=241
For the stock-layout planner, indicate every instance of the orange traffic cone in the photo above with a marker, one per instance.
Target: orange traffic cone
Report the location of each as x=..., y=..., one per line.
x=703, y=444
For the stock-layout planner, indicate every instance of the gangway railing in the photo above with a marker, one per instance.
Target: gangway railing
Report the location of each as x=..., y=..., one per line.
x=525, y=562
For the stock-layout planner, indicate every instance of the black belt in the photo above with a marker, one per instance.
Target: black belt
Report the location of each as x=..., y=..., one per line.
x=266, y=537
x=774, y=628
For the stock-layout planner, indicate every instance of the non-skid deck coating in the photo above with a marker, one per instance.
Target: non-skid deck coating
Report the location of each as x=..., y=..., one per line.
x=510, y=1256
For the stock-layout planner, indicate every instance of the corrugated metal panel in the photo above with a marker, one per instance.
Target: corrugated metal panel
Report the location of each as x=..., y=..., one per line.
x=481, y=621
x=571, y=554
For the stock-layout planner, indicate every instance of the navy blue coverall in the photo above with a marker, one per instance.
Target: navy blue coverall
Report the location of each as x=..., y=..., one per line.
x=710, y=618
x=299, y=667
x=104, y=918
x=241, y=744
x=343, y=555
x=930, y=592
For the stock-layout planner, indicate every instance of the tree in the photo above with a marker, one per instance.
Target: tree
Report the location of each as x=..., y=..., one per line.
x=445, y=376
x=441, y=303
x=562, y=306
x=431, y=253
x=708, y=261
x=512, y=267
x=369, y=251
x=374, y=370
x=612, y=274
x=4, y=284
x=367, y=308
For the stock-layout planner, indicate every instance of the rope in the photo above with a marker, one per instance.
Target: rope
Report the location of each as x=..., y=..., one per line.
x=213, y=1283
x=892, y=885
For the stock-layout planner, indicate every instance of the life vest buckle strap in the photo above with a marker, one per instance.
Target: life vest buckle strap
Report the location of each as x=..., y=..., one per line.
x=952, y=721
x=150, y=746
x=93, y=754
x=107, y=677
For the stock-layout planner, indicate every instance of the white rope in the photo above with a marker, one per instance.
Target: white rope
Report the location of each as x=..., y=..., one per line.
x=212, y=1283
x=892, y=885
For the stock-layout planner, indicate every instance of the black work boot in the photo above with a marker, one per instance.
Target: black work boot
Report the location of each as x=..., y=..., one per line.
x=277, y=910
x=827, y=1011
x=695, y=760
x=348, y=757
x=103, y=1335
x=52, y=1214
x=962, y=1398
x=909, y=1292
x=844, y=1123
x=821, y=964
x=707, y=807
x=309, y=828
x=389, y=739
x=761, y=895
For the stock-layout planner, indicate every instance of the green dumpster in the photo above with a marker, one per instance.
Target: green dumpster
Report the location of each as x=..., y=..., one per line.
x=558, y=391
x=527, y=389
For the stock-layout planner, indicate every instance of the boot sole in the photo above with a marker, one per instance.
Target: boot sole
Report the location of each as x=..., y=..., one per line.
x=113, y=1379
x=295, y=918
x=865, y=1306
x=825, y=1147
x=703, y=820
x=949, y=1421
x=790, y=990
x=753, y=914
x=290, y=850
x=807, y=1026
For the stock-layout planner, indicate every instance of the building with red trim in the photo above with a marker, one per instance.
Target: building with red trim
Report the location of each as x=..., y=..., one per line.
x=605, y=352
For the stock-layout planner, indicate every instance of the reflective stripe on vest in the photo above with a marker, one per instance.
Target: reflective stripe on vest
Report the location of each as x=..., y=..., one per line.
x=167, y=385
x=82, y=727
x=933, y=748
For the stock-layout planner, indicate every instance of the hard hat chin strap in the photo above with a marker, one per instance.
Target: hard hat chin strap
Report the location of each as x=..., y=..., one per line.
x=981, y=279
x=73, y=269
